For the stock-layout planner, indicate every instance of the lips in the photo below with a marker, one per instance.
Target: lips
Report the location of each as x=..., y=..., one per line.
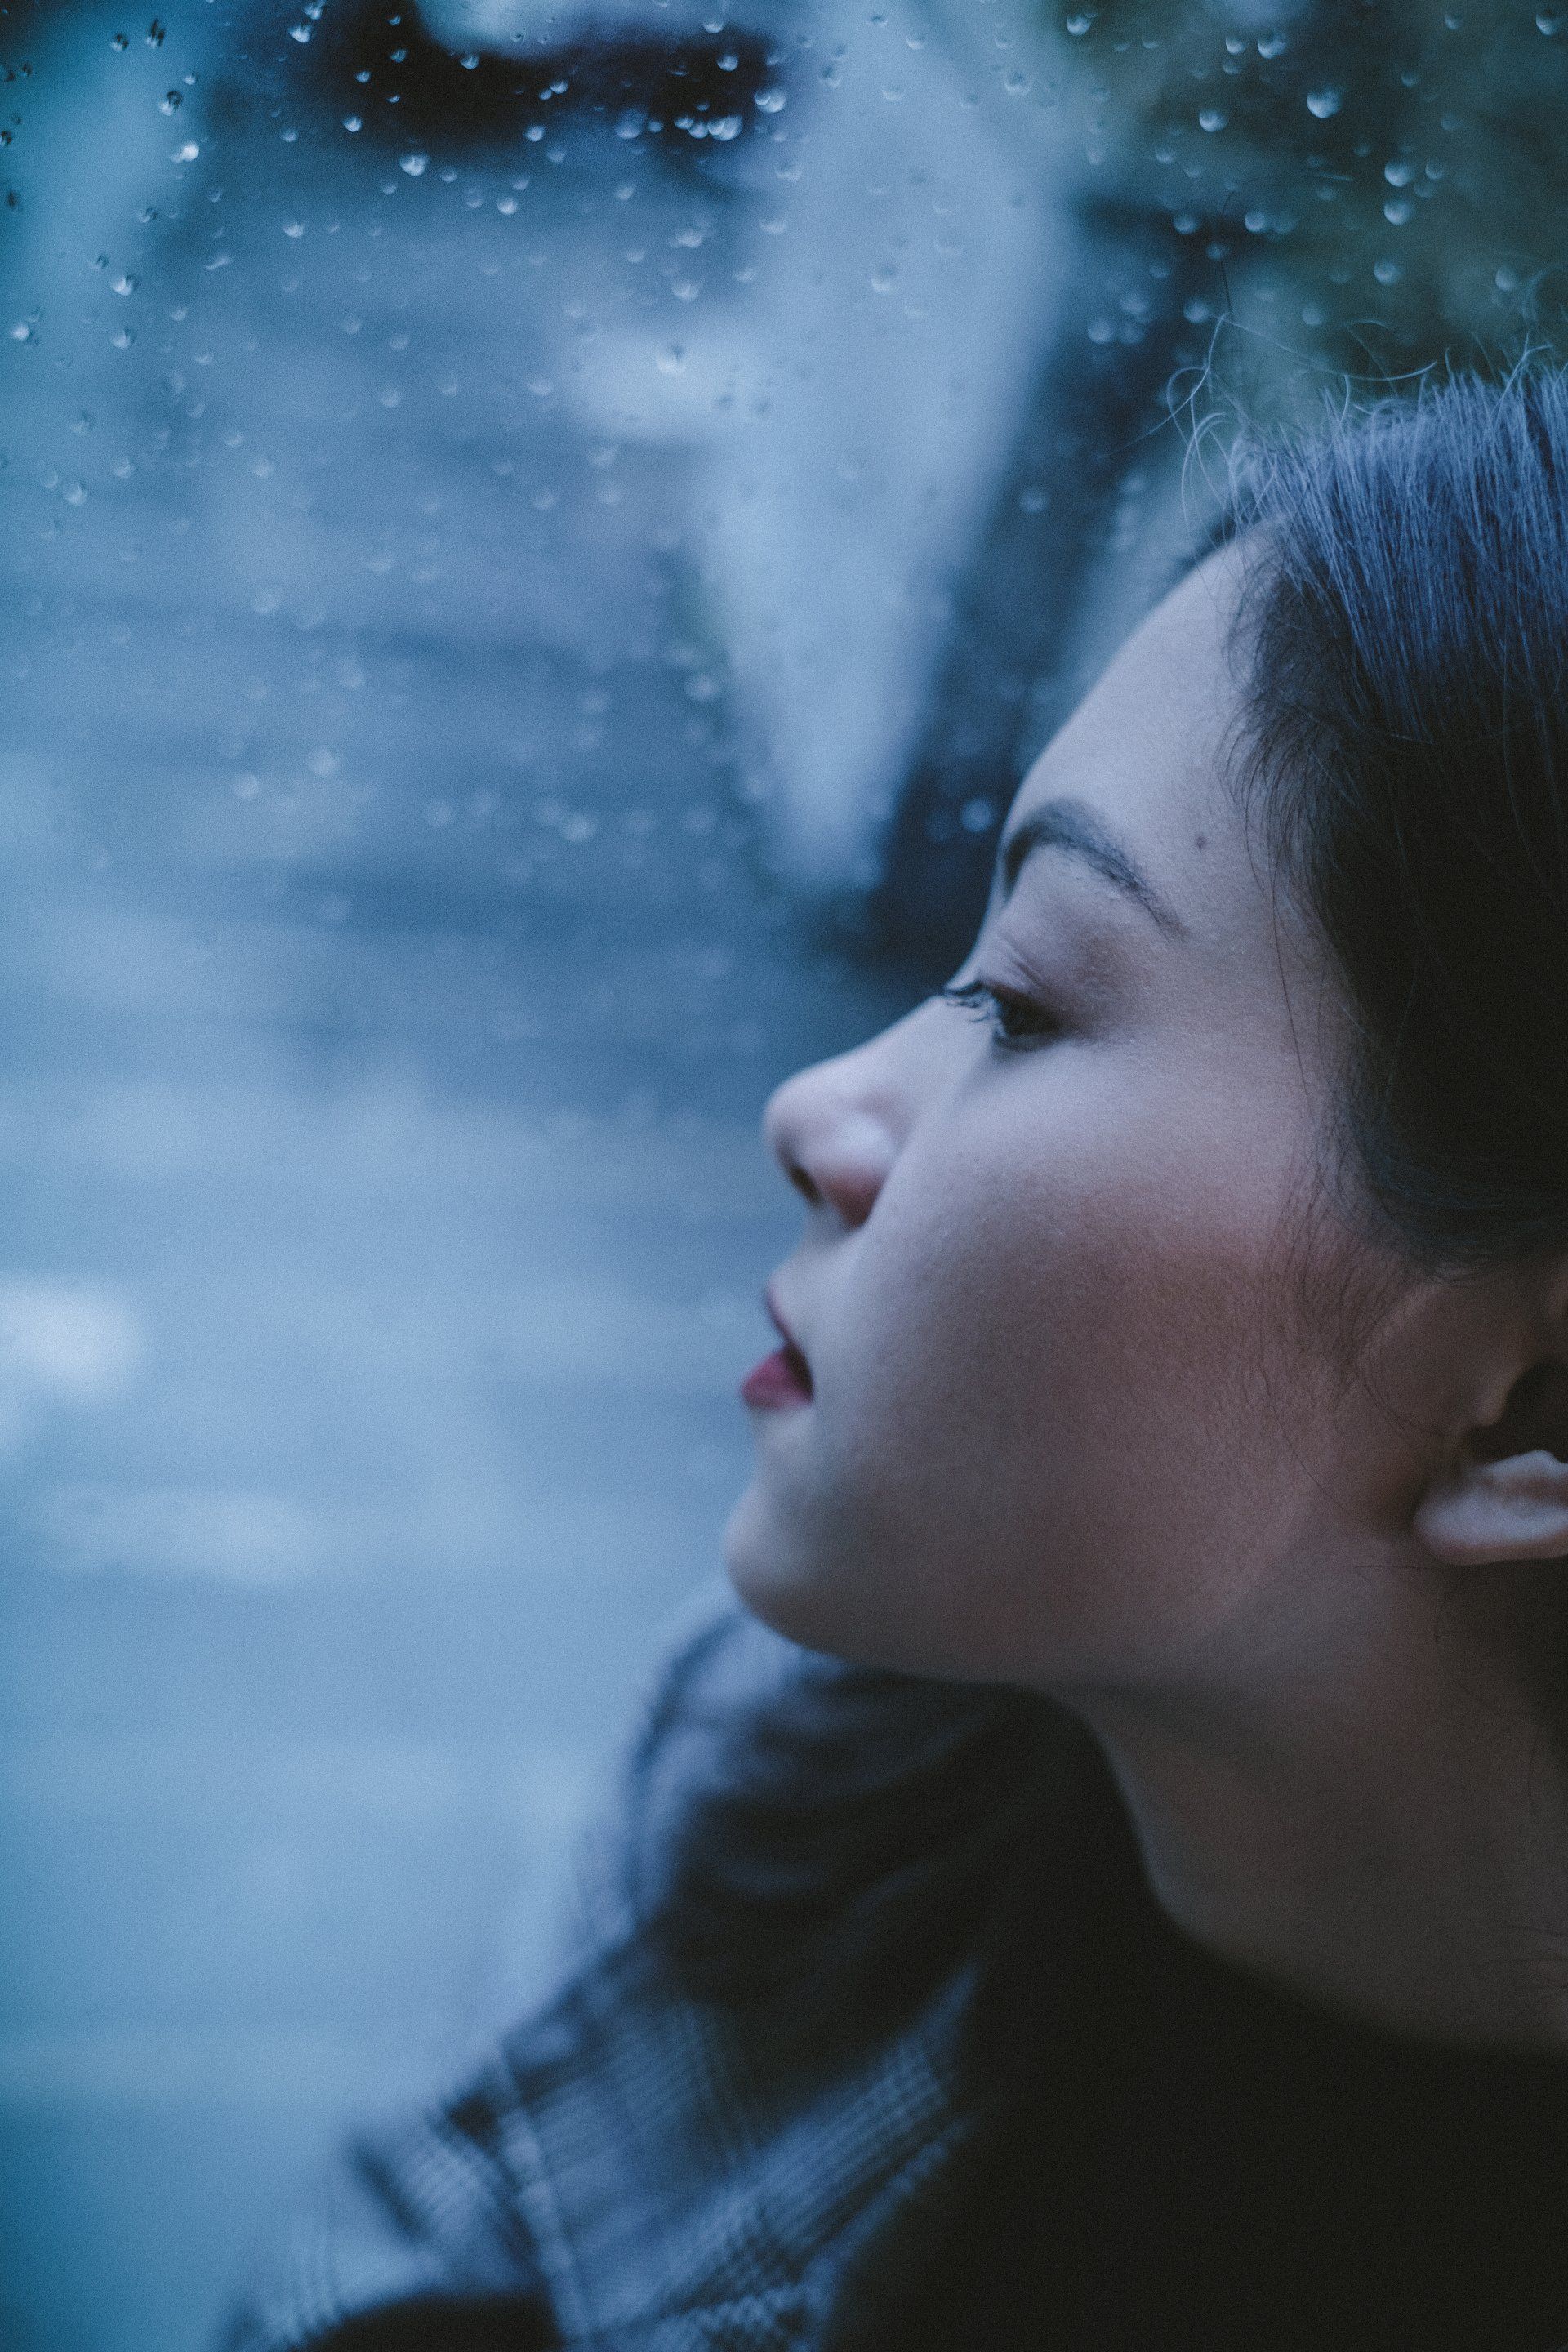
x=782, y=1378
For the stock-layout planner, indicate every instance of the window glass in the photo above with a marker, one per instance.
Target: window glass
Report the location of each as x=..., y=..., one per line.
x=537, y=539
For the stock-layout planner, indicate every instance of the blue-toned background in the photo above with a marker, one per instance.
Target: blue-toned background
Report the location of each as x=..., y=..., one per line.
x=534, y=542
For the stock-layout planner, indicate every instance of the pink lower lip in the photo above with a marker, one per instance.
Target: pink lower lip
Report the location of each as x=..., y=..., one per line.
x=779, y=1379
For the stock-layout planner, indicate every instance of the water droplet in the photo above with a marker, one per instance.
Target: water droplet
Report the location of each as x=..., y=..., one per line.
x=185, y=154
x=1324, y=102
x=352, y=122
x=413, y=164
x=686, y=289
x=1079, y=26
x=123, y=284
x=506, y=205
x=1211, y=118
x=1196, y=313
x=1397, y=211
x=123, y=338
x=884, y=278
x=156, y=32
x=322, y=762
x=170, y=102
x=631, y=124
x=469, y=61
x=22, y=333
x=770, y=101
x=726, y=126
x=1387, y=273
x=1016, y=82
x=299, y=32
x=1101, y=331
x=1507, y=281
x=1548, y=24
x=1272, y=44
x=670, y=359
x=121, y=41
x=294, y=228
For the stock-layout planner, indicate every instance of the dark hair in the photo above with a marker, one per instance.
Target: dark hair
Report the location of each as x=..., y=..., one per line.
x=1406, y=637
x=1404, y=634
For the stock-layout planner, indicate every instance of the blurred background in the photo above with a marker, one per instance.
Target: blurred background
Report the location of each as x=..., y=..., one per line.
x=535, y=543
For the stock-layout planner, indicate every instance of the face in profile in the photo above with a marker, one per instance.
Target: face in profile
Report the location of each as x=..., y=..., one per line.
x=1051, y=1410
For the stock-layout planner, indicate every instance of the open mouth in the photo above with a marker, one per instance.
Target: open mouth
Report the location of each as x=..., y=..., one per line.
x=784, y=1377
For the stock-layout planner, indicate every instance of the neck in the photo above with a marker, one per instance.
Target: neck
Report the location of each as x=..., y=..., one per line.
x=1414, y=1875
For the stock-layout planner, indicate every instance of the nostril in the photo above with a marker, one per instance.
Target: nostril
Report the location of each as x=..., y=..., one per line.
x=803, y=1184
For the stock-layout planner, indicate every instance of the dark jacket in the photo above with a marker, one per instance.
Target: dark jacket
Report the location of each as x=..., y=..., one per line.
x=640, y=2171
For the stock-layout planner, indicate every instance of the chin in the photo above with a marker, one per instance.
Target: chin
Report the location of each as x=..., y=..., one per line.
x=789, y=1592
x=814, y=1596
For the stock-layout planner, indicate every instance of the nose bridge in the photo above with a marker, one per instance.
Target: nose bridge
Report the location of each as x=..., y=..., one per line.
x=836, y=1128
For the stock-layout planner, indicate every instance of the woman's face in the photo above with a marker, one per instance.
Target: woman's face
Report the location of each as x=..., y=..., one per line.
x=1064, y=1424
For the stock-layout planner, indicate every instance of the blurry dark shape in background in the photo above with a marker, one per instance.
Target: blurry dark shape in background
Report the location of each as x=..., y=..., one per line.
x=538, y=540
x=416, y=87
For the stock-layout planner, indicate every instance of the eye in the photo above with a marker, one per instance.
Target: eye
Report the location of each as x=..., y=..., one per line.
x=1014, y=1020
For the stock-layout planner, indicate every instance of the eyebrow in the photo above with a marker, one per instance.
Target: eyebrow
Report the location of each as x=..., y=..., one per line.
x=1068, y=825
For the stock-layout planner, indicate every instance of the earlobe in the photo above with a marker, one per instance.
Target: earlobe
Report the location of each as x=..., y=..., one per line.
x=1486, y=1512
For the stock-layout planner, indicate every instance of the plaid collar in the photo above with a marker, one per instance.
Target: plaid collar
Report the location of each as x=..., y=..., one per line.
x=691, y=2180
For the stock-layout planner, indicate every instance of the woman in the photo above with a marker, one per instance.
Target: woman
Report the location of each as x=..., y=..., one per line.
x=1138, y=1912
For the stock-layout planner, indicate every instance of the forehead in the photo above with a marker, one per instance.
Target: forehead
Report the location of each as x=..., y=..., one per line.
x=1146, y=750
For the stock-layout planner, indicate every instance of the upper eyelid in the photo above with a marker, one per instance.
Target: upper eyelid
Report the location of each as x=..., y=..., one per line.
x=981, y=996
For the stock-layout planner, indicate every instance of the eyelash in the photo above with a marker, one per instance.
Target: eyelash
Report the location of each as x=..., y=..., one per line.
x=1015, y=1022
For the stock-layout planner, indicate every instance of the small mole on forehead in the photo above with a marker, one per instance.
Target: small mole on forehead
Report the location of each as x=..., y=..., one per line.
x=1200, y=841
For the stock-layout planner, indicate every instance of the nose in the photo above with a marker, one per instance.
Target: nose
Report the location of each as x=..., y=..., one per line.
x=837, y=1128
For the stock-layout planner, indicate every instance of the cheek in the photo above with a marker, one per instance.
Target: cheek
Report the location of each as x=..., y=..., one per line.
x=1061, y=1410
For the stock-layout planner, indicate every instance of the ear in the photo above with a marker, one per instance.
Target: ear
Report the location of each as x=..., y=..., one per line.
x=1505, y=1496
